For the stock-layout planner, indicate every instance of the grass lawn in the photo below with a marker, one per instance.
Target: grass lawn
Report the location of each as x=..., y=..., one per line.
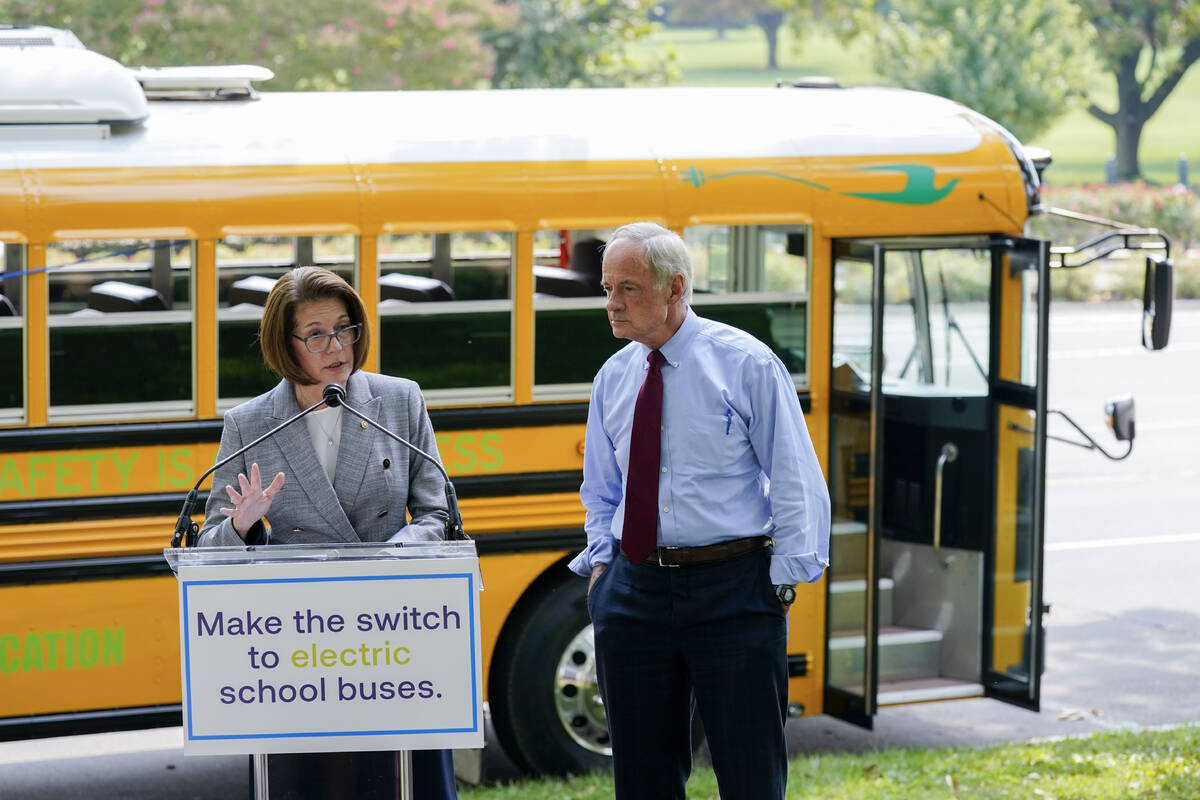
x=1080, y=143
x=1112, y=766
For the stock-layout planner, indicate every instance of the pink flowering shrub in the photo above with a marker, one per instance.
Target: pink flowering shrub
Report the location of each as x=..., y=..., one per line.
x=1174, y=210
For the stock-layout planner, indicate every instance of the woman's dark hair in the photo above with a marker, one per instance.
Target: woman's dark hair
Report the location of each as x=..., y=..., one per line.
x=297, y=287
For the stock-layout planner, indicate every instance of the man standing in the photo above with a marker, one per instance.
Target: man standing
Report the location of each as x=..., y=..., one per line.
x=705, y=506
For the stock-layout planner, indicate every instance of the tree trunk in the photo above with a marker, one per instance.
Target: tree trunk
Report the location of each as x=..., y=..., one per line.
x=1130, y=119
x=770, y=21
x=1129, y=138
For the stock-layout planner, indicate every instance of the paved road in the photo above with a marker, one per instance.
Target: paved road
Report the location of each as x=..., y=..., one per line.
x=1123, y=551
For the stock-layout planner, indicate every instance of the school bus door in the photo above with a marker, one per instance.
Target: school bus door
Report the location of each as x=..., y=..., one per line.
x=936, y=472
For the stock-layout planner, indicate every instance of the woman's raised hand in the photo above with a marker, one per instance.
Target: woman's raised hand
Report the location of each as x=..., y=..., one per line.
x=252, y=501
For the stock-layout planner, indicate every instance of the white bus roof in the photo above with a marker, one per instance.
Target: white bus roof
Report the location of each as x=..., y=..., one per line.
x=522, y=125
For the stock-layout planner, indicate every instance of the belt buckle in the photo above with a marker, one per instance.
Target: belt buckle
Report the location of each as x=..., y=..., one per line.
x=659, y=554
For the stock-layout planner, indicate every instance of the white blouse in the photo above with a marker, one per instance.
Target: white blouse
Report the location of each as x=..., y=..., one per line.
x=325, y=428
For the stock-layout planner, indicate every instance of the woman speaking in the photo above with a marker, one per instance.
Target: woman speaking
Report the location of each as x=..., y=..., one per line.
x=335, y=479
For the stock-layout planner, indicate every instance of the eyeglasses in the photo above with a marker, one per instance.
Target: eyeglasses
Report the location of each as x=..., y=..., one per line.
x=321, y=342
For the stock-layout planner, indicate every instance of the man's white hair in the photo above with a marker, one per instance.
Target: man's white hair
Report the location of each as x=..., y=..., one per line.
x=663, y=249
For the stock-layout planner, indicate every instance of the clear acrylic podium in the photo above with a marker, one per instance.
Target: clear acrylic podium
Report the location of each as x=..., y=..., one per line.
x=332, y=647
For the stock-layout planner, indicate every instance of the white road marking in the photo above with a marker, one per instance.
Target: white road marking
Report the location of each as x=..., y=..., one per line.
x=1111, y=352
x=1173, y=538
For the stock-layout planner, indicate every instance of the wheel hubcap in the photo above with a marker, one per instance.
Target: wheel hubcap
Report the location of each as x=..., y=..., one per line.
x=577, y=695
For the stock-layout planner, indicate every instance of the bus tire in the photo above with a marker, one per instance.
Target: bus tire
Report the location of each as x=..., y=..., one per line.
x=543, y=695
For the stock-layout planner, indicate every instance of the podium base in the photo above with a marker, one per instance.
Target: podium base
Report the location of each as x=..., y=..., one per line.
x=383, y=775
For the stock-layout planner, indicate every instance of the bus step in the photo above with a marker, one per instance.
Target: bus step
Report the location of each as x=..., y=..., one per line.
x=848, y=543
x=847, y=603
x=904, y=654
x=926, y=690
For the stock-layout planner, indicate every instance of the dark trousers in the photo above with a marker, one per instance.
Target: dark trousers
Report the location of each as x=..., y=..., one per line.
x=359, y=776
x=714, y=631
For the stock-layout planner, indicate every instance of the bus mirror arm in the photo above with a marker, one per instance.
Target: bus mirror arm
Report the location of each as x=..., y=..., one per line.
x=335, y=395
x=1120, y=413
x=186, y=531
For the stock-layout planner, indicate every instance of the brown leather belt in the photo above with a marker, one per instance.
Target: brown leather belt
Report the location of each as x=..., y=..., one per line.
x=709, y=554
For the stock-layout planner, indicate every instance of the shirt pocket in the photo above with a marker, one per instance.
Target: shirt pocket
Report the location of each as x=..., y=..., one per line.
x=716, y=443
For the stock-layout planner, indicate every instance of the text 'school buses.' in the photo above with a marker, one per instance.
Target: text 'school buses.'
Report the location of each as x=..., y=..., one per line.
x=874, y=238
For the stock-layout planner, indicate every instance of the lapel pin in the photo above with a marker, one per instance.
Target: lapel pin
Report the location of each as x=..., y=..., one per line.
x=364, y=425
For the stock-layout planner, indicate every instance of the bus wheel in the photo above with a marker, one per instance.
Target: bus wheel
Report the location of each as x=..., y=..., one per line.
x=543, y=695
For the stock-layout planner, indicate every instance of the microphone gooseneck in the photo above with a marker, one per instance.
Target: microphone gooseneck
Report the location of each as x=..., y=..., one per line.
x=186, y=530
x=335, y=395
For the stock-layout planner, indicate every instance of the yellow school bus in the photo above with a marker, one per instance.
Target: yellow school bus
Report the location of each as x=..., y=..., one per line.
x=873, y=238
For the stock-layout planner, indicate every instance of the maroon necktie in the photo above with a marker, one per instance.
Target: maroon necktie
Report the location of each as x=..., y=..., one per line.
x=639, y=536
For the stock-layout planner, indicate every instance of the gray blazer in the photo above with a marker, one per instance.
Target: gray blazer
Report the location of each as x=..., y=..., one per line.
x=376, y=481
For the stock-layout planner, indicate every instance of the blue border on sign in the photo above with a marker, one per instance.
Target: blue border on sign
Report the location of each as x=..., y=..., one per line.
x=470, y=578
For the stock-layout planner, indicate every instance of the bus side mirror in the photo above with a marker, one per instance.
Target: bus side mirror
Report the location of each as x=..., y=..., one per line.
x=1156, y=302
x=1121, y=417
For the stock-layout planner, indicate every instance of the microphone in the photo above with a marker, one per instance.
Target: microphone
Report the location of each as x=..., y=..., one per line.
x=185, y=528
x=335, y=395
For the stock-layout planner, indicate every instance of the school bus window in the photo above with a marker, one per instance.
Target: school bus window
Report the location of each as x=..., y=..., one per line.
x=852, y=288
x=936, y=324
x=332, y=252
x=1029, y=327
x=120, y=328
x=12, y=342
x=709, y=248
x=247, y=268
x=445, y=313
x=755, y=277
x=572, y=338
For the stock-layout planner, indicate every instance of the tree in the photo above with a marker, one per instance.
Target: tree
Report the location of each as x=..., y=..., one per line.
x=770, y=19
x=559, y=43
x=309, y=44
x=1147, y=45
x=766, y=14
x=719, y=14
x=1022, y=64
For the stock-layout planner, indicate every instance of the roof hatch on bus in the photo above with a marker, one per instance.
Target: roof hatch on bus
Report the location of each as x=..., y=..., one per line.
x=37, y=36
x=232, y=82
x=67, y=86
x=47, y=77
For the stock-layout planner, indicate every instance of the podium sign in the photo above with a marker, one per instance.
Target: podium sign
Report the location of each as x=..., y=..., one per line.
x=315, y=648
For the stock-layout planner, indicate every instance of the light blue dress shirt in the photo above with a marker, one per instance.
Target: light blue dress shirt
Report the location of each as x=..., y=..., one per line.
x=736, y=461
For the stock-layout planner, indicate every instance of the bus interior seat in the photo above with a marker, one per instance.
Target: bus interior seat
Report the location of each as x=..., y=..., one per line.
x=413, y=288
x=587, y=258
x=582, y=279
x=252, y=290
x=7, y=309
x=559, y=282
x=111, y=296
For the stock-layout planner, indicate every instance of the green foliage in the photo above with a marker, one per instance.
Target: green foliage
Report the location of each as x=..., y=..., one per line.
x=717, y=13
x=1175, y=211
x=1129, y=26
x=1147, y=45
x=380, y=44
x=560, y=43
x=310, y=44
x=1021, y=63
x=1108, y=766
